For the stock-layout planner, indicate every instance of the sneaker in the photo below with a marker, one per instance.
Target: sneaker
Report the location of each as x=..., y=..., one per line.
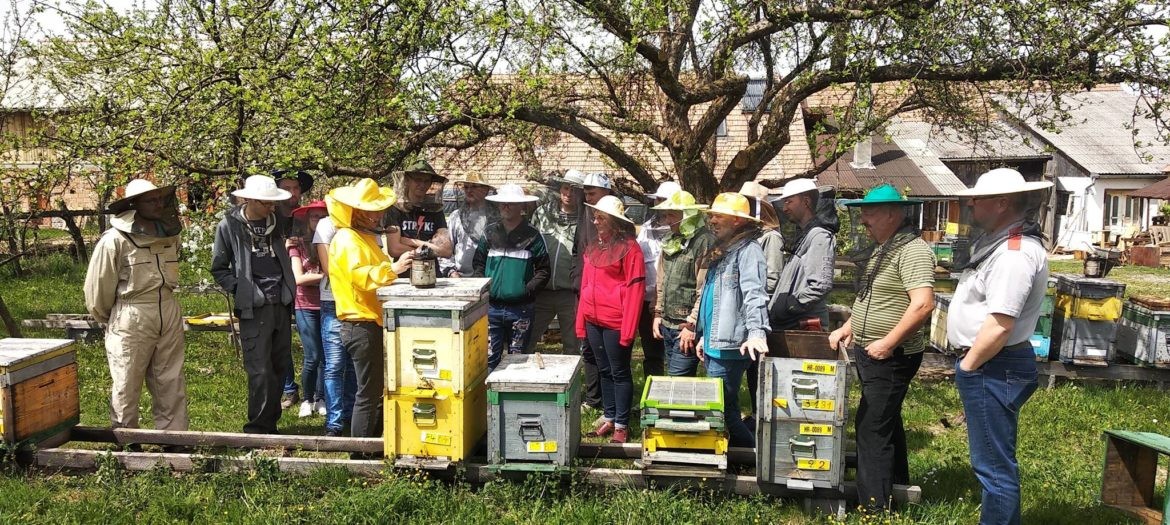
x=620, y=435
x=333, y=433
x=319, y=407
x=306, y=409
x=288, y=400
x=604, y=429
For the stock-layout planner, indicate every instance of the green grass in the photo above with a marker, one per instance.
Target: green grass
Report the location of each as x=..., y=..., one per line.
x=1060, y=457
x=1140, y=280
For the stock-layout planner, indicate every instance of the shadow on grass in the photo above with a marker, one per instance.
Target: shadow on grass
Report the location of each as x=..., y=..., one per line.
x=918, y=439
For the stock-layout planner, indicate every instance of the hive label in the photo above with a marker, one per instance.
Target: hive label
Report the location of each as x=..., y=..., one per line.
x=817, y=404
x=780, y=402
x=810, y=367
x=542, y=447
x=807, y=429
x=435, y=438
x=812, y=464
x=445, y=375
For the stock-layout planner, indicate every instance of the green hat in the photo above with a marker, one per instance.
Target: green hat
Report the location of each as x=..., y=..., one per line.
x=424, y=167
x=884, y=194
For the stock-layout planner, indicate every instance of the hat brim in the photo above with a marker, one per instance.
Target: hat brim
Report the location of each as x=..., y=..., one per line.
x=126, y=203
x=734, y=214
x=281, y=195
x=386, y=199
x=512, y=200
x=303, y=210
x=472, y=182
x=1027, y=186
x=435, y=177
x=863, y=202
x=785, y=195
x=610, y=213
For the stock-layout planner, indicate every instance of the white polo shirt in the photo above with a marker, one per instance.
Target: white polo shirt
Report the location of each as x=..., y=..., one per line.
x=1011, y=281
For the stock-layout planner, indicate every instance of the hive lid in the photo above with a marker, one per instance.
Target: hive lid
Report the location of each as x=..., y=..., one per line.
x=445, y=288
x=519, y=372
x=688, y=393
x=18, y=352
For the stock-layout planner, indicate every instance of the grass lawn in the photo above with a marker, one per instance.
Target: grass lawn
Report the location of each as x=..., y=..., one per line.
x=1060, y=456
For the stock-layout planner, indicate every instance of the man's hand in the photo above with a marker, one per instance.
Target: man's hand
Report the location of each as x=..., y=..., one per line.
x=654, y=327
x=699, y=351
x=686, y=341
x=403, y=263
x=455, y=274
x=841, y=337
x=754, y=348
x=880, y=350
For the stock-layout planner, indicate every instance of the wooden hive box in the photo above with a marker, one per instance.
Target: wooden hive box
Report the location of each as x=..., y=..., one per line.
x=39, y=399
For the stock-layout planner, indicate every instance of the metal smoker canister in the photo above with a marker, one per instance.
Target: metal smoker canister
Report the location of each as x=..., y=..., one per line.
x=423, y=268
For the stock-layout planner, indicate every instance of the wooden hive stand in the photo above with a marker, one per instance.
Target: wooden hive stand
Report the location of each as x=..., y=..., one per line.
x=1131, y=465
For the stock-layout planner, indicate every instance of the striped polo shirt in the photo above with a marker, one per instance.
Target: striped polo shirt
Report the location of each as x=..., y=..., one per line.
x=906, y=268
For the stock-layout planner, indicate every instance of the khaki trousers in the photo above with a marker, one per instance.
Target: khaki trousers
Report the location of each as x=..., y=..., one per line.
x=144, y=342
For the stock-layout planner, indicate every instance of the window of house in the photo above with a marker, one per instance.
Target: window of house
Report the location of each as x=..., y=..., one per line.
x=1120, y=209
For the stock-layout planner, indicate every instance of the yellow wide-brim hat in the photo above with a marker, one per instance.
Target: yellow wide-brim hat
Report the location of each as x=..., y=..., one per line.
x=365, y=195
x=734, y=204
x=681, y=200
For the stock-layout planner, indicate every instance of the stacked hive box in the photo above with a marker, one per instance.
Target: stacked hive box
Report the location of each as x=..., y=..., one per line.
x=38, y=390
x=436, y=365
x=534, y=415
x=1042, y=337
x=1084, y=324
x=683, y=421
x=800, y=437
x=938, y=322
x=1144, y=333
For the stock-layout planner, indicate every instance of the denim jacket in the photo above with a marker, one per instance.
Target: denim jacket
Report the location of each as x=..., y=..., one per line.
x=740, y=310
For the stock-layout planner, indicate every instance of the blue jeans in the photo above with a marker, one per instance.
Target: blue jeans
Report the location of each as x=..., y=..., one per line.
x=992, y=398
x=312, y=378
x=340, y=379
x=508, y=328
x=613, y=367
x=677, y=364
x=731, y=372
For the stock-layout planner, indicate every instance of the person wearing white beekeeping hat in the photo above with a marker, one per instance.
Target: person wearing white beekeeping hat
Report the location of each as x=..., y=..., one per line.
x=130, y=286
x=250, y=262
x=512, y=253
x=992, y=315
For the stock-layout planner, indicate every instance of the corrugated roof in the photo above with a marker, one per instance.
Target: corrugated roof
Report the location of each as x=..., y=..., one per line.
x=895, y=166
x=998, y=141
x=1157, y=190
x=1102, y=132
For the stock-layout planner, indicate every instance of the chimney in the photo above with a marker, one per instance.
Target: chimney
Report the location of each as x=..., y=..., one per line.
x=863, y=155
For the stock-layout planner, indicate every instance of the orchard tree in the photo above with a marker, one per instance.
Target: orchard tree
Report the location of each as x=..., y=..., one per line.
x=668, y=72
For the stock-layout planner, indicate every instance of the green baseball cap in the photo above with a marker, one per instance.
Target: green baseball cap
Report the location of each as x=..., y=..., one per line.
x=884, y=194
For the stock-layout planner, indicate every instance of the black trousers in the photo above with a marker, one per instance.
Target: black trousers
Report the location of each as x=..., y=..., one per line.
x=881, y=434
x=653, y=350
x=266, y=339
x=592, y=394
x=363, y=342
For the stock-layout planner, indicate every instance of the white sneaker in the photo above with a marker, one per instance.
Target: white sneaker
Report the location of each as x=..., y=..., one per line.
x=320, y=408
x=306, y=409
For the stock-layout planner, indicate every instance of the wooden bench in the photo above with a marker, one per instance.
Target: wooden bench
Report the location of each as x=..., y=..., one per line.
x=1131, y=466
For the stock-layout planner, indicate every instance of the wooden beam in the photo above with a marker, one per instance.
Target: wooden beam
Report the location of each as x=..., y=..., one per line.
x=142, y=436
x=471, y=472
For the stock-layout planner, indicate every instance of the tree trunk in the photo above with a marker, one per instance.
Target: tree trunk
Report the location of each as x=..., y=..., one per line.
x=75, y=232
x=10, y=324
x=10, y=237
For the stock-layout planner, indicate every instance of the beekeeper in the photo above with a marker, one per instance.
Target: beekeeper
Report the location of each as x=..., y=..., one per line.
x=130, y=286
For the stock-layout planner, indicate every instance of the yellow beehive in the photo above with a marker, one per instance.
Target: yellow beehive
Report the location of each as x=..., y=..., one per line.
x=435, y=338
x=434, y=424
x=1098, y=309
x=711, y=441
x=38, y=389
